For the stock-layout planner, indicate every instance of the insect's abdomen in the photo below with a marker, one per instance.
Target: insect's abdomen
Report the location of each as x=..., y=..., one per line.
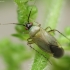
x=57, y=51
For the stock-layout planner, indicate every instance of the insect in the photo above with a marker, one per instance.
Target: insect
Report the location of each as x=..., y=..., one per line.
x=43, y=39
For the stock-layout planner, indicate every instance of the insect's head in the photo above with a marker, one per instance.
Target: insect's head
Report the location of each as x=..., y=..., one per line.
x=28, y=25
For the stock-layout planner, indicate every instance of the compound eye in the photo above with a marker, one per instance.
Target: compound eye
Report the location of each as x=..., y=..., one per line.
x=28, y=25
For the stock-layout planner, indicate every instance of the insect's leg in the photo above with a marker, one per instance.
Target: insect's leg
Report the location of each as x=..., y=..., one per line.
x=58, y=32
x=51, y=31
x=38, y=24
x=30, y=41
x=48, y=28
x=39, y=53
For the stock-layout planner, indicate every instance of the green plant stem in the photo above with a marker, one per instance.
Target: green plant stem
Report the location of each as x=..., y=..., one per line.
x=53, y=14
x=40, y=62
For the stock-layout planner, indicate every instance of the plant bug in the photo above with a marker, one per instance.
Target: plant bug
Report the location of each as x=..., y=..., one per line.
x=43, y=38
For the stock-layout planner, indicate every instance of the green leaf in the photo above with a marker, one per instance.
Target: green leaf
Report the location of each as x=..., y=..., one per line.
x=13, y=53
x=40, y=60
x=21, y=36
x=23, y=11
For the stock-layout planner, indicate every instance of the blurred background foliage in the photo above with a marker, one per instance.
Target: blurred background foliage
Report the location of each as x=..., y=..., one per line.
x=14, y=54
x=64, y=62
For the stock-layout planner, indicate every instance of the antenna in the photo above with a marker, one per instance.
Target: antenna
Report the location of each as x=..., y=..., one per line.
x=12, y=23
x=31, y=11
x=21, y=24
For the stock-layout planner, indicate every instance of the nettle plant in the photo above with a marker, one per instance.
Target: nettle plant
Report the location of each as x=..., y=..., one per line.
x=54, y=8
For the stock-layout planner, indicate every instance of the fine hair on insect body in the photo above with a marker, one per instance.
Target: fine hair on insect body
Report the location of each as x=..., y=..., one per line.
x=42, y=38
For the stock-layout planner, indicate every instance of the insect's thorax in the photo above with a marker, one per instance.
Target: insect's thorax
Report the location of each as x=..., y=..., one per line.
x=33, y=30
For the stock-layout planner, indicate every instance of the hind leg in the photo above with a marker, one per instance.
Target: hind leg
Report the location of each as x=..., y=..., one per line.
x=48, y=28
x=59, y=33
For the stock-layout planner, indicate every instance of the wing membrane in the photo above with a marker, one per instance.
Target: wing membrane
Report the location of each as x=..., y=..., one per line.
x=44, y=40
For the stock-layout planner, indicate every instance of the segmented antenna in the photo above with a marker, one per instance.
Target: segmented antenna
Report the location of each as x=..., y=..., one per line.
x=28, y=17
x=12, y=23
x=30, y=11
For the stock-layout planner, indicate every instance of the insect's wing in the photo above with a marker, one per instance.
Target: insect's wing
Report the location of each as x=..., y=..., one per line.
x=49, y=38
x=44, y=40
x=48, y=43
x=55, y=48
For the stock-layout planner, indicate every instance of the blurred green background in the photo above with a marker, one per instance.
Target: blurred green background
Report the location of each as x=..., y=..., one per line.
x=15, y=54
